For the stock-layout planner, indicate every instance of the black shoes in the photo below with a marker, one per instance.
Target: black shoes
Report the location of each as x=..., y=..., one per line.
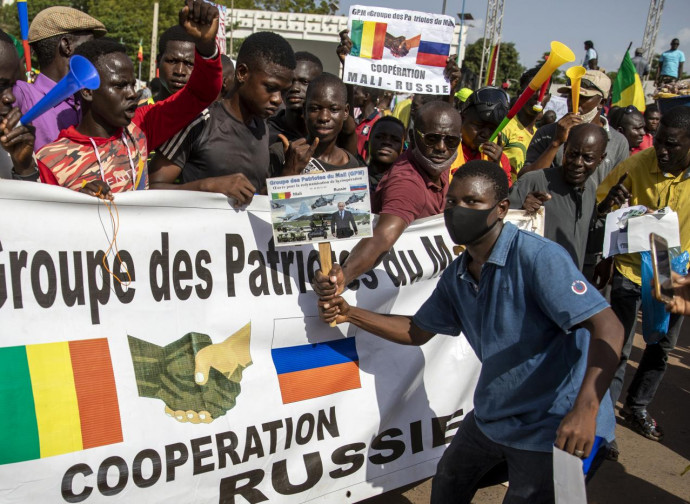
x=642, y=423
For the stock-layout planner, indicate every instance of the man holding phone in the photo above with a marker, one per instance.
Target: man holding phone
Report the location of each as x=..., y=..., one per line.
x=655, y=178
x=680, y=303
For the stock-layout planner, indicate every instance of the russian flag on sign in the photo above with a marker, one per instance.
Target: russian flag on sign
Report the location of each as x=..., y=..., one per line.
x=313, y=360
x=432, y=51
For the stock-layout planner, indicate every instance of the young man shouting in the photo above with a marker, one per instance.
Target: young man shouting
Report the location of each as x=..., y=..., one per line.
x=106, y=153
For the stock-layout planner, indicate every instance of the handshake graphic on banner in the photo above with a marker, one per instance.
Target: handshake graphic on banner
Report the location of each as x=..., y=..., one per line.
x=197, y=380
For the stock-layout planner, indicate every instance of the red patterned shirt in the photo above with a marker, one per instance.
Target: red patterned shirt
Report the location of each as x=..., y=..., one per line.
x=74, y=158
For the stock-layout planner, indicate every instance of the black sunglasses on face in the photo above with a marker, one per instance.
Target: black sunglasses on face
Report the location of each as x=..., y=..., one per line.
x=432, y=139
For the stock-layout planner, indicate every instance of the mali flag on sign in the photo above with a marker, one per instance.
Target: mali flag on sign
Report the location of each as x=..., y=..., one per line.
x=627, y=88
x=367, y=39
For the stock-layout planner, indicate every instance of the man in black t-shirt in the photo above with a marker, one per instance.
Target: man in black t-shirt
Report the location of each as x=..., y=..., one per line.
x=290, y=121
x=227, y=151
x=325, y=111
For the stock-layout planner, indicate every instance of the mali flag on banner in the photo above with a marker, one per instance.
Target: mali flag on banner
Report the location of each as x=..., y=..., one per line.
x=57, y=398
x=367, y=39
x=627, y=88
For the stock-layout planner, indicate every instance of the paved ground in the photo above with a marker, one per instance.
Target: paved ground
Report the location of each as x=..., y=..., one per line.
x=647, y=472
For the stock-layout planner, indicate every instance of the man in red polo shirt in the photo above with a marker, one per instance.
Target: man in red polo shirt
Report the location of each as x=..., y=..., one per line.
x=415, y=187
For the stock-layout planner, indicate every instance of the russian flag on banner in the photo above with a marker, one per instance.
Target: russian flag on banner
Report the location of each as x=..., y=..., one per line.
x=432, y=53
x=361, y=187
x=314, y=367
x=58, y=398
x=367, y=39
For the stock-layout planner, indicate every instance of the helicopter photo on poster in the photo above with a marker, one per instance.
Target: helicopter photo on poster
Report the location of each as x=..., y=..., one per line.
x=320, y=207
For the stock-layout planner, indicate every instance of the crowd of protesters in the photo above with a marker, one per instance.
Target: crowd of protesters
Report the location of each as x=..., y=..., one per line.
x=553, y=349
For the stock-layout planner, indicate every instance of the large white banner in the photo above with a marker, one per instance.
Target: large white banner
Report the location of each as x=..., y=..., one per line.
x=197, y=370
x=399, y=50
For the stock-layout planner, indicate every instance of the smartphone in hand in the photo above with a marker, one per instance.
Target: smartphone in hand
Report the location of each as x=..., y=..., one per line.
x=661, y=266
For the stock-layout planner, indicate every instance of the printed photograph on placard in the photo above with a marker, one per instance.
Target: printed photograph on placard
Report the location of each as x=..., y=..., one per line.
x=319, y=207
x=399, y=50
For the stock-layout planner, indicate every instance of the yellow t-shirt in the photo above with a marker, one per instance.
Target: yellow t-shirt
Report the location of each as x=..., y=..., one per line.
x=654, y=189
x=402, y=111
x=516, y=138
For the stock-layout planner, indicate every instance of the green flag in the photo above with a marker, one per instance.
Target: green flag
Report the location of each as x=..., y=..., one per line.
x=627, y=88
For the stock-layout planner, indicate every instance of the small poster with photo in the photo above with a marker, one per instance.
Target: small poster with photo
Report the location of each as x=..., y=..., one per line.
x=320, y=207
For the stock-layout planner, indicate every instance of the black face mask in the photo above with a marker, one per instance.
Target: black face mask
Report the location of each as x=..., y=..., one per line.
x=467, y=225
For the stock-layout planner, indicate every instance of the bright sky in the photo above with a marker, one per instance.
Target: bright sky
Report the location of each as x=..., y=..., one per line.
x=532, y=24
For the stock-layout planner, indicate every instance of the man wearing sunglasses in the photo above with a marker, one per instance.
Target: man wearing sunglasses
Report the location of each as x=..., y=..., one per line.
x=482, y=112
x=415, y=187
x=546, y=148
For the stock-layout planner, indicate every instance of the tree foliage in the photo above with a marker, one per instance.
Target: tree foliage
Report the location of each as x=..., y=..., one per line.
x=509, y=66
x=302, y=6
x=130, y=21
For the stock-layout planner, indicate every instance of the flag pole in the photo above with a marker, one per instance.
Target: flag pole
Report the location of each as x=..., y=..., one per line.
x=154, y=40
x=462, y=25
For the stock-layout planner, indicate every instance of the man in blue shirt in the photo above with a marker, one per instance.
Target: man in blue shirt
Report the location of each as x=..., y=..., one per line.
x=671, y=64
x=548, y=342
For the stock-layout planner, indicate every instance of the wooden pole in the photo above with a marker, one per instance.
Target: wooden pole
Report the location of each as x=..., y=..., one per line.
x=326, y=262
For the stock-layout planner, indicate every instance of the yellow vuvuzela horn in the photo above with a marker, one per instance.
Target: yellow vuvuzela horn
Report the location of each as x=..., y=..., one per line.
x=560, y=53
x=575, y=75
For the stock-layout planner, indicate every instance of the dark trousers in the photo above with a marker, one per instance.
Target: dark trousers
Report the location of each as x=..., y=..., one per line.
x=471, y=456
x=625, y=302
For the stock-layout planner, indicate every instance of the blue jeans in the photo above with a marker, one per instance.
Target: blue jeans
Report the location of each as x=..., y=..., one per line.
x=625, y=302
x=471, y=455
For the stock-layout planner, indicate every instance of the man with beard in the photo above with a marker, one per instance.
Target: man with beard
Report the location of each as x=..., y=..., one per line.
x=482, y=112
x=655, y=178
x=546, y=148
x=106, y=152
x=289, y=122
x=326, y=110
x=228, y=151
x=16, y=155
x=415, y=187
x=566, y=192
x=541, y=383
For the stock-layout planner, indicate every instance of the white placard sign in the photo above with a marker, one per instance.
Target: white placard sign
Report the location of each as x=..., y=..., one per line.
x=398, y=50
x=319, y=207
